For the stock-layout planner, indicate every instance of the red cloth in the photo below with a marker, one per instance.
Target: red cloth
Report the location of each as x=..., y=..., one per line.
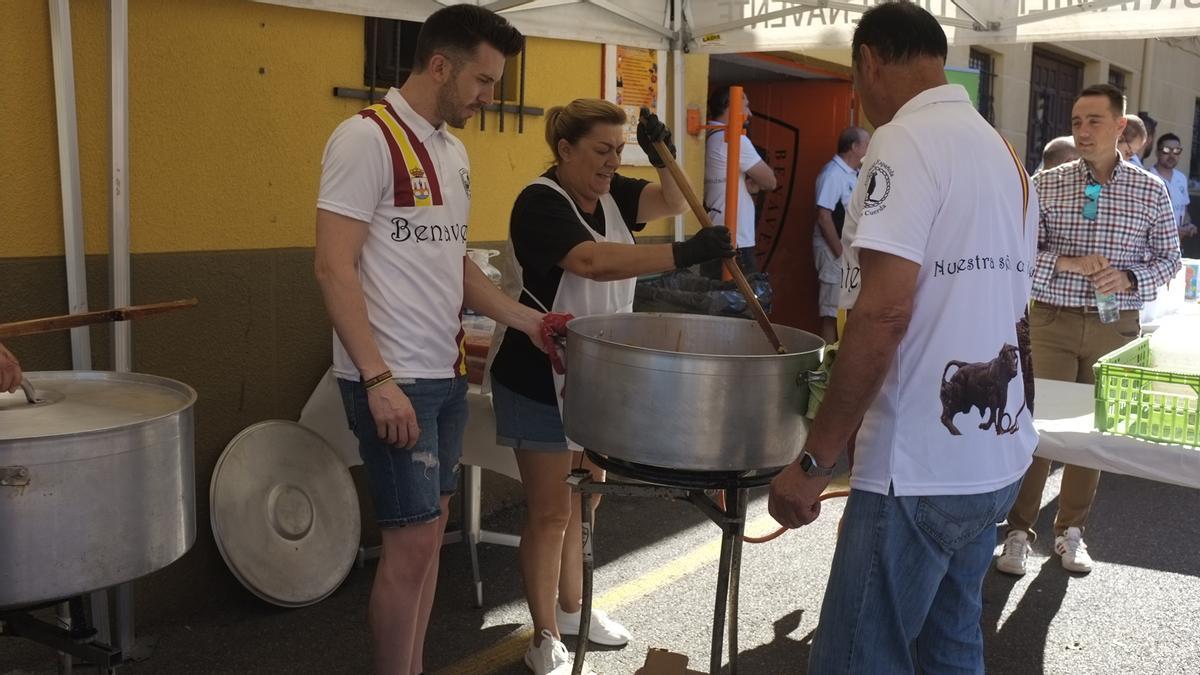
x=554, y=326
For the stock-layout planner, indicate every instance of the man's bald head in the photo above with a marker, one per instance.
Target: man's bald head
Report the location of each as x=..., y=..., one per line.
x=1134, y=138
x=1134, y=128
x=1059, y=151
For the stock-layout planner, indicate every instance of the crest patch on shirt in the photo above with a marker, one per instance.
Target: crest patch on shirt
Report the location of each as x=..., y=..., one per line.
x=420, y=186
x=466, y=181
x=879, y=186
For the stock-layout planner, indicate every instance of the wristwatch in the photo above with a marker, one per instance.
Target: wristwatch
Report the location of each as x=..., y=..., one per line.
x=1132, y=280
x=808, y=464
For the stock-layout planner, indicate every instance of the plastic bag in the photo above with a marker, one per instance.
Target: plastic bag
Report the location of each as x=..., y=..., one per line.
x=685, y=292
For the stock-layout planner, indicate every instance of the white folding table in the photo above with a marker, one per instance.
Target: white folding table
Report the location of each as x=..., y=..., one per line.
x=1064, y=414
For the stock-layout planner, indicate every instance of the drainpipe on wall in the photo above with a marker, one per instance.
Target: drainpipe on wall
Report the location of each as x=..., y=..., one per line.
x=1147, y=76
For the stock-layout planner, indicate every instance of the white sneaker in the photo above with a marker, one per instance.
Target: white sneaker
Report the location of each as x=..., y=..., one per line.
x=1074, y=553
x=602, y=631
x=550, y=657
x=1016, y=552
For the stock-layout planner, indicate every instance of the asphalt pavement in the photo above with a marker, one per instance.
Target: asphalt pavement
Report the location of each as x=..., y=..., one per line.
x=1138, y=612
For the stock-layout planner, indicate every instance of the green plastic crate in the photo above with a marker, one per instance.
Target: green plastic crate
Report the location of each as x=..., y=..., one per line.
x=1127, y=405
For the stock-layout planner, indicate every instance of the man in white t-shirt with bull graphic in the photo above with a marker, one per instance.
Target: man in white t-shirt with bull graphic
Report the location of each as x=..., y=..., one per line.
x=944, y=224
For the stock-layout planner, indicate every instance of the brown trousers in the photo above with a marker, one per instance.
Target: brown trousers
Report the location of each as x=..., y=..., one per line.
x=1066, y=343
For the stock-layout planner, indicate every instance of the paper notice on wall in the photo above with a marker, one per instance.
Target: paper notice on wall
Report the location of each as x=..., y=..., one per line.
x=633, y=78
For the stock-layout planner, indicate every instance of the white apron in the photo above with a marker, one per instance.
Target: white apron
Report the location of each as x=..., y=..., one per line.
x=581, y=296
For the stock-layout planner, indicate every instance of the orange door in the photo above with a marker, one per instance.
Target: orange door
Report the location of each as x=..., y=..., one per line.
x=797, y=122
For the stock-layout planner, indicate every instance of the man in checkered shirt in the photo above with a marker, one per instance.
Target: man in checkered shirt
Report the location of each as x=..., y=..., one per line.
x=1106, y=226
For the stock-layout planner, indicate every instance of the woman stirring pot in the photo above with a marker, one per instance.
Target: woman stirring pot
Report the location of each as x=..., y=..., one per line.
x=572, y=234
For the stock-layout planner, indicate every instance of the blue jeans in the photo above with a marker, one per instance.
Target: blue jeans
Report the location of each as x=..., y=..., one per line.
x=407, y=485
x=906, y=588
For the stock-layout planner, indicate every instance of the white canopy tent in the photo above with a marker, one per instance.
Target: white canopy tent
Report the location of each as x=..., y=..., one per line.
x=761, y=25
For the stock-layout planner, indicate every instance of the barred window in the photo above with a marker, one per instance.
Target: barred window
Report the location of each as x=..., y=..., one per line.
x=985, y=63
x=1117, y=78
x=390, y=47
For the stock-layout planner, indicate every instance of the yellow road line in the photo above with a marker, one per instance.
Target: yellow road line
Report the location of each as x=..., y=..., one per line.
x=511, y=649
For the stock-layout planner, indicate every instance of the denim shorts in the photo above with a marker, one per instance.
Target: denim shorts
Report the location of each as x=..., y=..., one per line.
x=525, y=424
x=407, y=485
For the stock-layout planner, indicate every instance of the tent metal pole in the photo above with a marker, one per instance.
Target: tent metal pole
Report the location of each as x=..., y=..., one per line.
x=119, y=272
x=501, y=5
x=119, y=264
x=68, y=169
x=523, y=5
x=617, y=10
x=981, y=22
x=678, y=111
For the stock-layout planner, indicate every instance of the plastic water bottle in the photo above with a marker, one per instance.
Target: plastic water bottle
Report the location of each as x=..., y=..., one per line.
x=1106, y=306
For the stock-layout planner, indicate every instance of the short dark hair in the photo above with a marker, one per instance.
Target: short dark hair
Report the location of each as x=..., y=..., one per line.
x=1116, y=99
x=847, y=139
x=718, y=101
x=458, y=30
x=899, y=31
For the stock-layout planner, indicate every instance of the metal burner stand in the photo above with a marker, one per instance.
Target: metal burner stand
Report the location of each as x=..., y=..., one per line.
x=78, y=639
x=689, y=486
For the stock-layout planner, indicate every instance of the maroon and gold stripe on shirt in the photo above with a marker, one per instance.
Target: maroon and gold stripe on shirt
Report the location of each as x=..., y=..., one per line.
x=416, y=181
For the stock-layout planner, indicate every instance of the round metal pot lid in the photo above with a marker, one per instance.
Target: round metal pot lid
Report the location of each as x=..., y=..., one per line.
x=73, y=402
x=284, y=513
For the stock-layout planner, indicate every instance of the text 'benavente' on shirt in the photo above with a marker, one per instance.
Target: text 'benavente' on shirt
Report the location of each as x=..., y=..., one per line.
x=411, y=183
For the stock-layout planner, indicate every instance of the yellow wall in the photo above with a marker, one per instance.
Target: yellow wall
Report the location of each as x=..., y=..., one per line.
x=222, y=157
x=230, y=107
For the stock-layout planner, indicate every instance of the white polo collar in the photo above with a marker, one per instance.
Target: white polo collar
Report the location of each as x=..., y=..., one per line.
x=946, y=93
x=837, y=159
x=419, y=125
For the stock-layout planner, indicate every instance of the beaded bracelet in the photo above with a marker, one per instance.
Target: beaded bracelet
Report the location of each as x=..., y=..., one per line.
x=380, y=379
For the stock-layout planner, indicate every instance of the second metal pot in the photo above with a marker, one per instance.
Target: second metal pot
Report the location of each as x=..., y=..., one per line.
x=689, y=392
x=97, y=483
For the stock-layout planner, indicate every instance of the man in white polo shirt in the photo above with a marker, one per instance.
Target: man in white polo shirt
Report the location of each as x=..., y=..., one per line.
x=391, y=262
x=1166, y=153
x=835, y=183
x=750, y=165
x=945, y=226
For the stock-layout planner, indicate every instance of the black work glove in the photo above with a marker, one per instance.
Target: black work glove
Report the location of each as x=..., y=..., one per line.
x=650, y=129
x=707, y=244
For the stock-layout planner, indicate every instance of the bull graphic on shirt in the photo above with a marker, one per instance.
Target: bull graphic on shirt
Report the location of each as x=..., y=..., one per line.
x=985, y=386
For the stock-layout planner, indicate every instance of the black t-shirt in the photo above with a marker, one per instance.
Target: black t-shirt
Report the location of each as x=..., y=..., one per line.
x=544, y=229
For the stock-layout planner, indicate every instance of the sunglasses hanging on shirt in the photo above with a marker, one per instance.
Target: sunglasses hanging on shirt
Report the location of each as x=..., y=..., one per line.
x=1091, y=204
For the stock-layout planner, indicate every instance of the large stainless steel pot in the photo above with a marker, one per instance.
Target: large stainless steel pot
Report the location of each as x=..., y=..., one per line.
x=97, y=482
x=683, y=391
